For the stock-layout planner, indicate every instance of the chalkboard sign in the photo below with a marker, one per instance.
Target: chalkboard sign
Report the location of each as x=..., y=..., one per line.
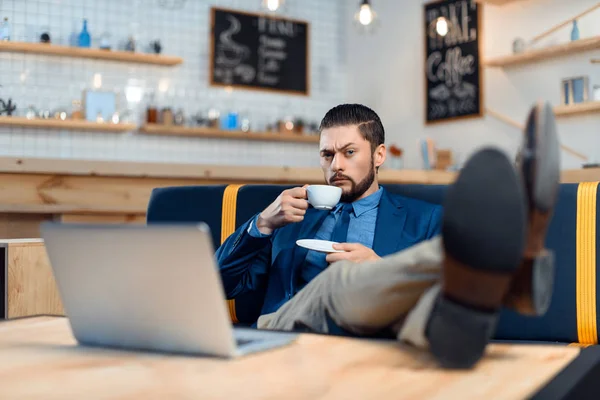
x=453, y=73
x=256, y=51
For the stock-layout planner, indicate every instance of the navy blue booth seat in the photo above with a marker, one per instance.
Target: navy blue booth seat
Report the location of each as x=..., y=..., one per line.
x=571, y=318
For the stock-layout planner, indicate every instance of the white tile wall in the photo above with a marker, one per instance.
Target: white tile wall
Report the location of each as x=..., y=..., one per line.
x=51, y=82
x=387, y=74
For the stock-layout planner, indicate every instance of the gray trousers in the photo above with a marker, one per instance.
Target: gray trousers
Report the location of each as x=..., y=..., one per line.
x=396, y=292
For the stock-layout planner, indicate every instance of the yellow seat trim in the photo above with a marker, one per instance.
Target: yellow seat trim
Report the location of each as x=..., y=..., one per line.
x=228, y=227
x=587, y=331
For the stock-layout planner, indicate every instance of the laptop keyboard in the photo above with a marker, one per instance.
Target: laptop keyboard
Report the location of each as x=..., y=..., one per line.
x=243, y=341
x=242, y=338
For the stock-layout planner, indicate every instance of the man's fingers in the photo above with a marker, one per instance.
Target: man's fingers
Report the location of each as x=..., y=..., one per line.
x=333, y=257
x=299, y=204
x=347, y=246
x=298, y=192
x=296, y=218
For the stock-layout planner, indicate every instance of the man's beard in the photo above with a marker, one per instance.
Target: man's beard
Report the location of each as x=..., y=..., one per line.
x=356, y=189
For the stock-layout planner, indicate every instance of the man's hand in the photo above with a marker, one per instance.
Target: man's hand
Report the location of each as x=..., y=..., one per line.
x=353, y=252
x=289, y=207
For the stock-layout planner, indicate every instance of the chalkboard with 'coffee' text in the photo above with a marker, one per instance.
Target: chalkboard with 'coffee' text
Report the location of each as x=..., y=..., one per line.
x=453, y=73
x=259, y=51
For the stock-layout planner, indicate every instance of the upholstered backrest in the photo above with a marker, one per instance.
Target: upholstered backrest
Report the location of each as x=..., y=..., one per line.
x=572, y=236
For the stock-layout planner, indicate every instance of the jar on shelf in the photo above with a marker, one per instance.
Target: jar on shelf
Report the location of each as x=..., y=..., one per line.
x=167, y=116
x=77, y=112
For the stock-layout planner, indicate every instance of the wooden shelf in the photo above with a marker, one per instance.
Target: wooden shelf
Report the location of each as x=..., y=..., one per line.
x=69, y=124
x=157, y=129
x=560, y=50
x=581, y=108
x=66, y=51
x=497, y=2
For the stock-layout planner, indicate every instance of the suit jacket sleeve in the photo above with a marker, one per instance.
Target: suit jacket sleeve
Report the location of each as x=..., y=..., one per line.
x=244, y=261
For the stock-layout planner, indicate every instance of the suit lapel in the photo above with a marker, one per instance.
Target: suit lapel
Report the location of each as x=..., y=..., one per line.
x=391, y=218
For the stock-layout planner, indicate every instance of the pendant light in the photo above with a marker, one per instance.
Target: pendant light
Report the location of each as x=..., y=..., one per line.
x=272, y=5
x=365, y=15
x=442, y=26
x=365, y=18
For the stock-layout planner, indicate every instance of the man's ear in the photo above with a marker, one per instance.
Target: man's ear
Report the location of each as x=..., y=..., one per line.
x=379, y=155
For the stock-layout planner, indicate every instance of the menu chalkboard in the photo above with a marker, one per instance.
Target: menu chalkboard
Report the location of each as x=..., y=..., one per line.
x=257, y=51
x=453, y=73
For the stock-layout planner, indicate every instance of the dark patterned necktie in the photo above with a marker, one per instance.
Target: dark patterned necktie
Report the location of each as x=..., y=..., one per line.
x=340, y=230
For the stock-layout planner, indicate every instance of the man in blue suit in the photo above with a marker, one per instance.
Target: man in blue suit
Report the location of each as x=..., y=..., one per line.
x=445, y=294
x=261, y=257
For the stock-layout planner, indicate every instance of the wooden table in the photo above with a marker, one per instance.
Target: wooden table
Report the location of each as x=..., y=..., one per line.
x=40, y=359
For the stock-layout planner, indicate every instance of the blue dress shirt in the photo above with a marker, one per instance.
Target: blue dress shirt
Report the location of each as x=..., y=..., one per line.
x=360, y=230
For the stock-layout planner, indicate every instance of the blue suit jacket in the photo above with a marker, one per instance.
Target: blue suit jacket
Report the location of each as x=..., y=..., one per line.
x=266, y=270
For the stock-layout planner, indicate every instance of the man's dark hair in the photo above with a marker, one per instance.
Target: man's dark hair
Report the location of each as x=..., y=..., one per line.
x=369, y=124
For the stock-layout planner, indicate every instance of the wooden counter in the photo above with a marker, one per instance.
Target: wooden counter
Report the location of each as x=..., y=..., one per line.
x=33, y=190
x=40, y=359
x=28, y=285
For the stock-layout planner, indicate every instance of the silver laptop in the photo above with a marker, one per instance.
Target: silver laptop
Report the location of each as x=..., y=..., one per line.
x=147, y=287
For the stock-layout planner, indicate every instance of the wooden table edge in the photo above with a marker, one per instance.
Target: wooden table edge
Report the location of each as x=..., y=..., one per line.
x=578, y=380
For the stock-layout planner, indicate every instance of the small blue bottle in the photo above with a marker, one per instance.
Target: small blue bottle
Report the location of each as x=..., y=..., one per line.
x=575, y=31
x=84, y=39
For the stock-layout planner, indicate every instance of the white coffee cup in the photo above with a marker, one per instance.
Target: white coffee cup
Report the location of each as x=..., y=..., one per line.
x=323, y=197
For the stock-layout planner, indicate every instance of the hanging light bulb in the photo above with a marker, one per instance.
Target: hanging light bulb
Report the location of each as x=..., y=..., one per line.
x=272, y=5
x=441, y=26
x=365, y=15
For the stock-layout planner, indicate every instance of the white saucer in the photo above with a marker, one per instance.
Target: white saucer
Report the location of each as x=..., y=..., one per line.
x=324, y=246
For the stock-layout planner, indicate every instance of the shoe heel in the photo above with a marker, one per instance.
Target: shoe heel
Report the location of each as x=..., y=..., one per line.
x=531, y=290
x=458, y=335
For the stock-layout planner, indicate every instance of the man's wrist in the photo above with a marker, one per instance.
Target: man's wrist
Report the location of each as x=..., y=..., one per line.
x=254, y=231
x=262, y=226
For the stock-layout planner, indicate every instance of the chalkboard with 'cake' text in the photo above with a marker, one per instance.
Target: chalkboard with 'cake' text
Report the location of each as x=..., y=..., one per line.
x=259, y=51
x=453, y=73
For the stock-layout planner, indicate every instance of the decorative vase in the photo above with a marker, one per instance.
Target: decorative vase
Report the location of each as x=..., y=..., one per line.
x=575, y=31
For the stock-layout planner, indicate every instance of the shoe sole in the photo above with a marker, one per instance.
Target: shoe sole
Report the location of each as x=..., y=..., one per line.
x=483, y=232
x=485, y=214
x=541, y=172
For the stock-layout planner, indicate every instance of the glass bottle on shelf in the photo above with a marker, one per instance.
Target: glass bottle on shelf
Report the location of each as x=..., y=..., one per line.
x=244, y=121
x=5, y=30
x=151, y=111
x=77, y=112
x=105, y=41
x=31, y=112
x=214, y=116
x=84, y=39
x=179, y=117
